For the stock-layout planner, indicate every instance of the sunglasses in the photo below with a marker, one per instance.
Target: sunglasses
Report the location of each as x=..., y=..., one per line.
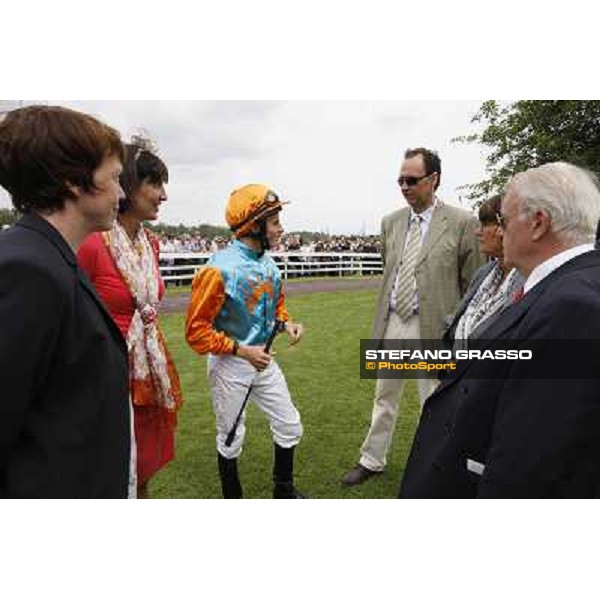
x=411, y=181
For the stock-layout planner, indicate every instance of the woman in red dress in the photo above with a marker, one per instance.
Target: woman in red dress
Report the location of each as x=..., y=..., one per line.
x=123, y=266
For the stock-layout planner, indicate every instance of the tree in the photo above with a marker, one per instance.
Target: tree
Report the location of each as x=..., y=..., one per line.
x=529, y=133
x=8, y=216
x=204, y=230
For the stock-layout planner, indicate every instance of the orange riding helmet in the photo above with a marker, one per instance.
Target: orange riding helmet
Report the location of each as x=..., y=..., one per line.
x=248, y=205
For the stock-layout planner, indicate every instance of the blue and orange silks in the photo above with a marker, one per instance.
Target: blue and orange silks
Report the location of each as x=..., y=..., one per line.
x=236, y=296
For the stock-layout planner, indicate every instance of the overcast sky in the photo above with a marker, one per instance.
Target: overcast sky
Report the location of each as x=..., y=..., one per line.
x=336, y=161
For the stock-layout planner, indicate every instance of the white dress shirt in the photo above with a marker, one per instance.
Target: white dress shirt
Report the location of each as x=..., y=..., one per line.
x=544, y=269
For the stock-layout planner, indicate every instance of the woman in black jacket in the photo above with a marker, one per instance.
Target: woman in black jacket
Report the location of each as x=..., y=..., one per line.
x=494, y=286
x=65, y=426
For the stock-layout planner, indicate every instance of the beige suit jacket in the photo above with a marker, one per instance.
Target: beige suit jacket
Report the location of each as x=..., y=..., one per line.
x=447, y=261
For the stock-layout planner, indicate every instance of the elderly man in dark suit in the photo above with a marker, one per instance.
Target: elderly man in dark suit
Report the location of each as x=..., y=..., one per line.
x=504, y=429
x=65, y=428
x=430, y=254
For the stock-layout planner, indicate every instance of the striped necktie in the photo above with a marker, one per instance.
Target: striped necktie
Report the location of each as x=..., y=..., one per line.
x=407, y=284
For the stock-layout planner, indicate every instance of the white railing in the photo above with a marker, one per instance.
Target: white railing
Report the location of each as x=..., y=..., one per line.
x=180, y=267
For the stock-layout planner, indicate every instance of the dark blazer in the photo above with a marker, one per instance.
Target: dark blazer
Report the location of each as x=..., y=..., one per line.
x=511, y=436
x=64, y=407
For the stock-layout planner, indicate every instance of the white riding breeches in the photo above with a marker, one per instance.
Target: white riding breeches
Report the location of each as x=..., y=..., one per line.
x=229, y=377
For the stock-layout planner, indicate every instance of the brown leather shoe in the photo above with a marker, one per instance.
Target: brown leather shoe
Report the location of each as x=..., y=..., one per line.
x=358, y=475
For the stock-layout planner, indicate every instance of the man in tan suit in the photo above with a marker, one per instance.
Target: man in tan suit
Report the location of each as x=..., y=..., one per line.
x=430, y=254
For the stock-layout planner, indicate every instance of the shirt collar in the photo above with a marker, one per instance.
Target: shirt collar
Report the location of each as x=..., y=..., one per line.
x=544, y=269
x=426, y=214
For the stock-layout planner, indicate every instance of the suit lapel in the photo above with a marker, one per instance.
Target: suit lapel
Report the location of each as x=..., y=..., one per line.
x=89, y=287
x=510, y=316
x=471, y=291
x=436, y=230
x=399, y=237
x=43, y=227
x=504, y=321
x=507, y=318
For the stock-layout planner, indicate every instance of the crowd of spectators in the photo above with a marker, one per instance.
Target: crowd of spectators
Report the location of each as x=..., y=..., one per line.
x=294, y=242
x=190, y=243
x=335, y=243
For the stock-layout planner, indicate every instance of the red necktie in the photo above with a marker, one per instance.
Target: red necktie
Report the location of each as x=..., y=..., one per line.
x=518, y=296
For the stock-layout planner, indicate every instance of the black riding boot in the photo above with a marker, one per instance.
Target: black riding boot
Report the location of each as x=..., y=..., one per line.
x=230, y=480
x=283, y=474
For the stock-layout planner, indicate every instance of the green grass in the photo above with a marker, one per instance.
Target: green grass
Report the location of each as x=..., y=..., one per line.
x=335, y=404
x=177, y=290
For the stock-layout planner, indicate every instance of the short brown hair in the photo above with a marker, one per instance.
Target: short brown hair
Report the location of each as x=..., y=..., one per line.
x=489, y=209
x=42, y=148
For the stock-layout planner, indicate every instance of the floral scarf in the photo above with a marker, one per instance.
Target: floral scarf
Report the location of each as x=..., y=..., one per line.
x=491, y=297
x=148, y=358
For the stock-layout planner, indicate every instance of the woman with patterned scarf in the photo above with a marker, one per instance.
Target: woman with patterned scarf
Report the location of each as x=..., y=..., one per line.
x=123, y=266
x=494, y=287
